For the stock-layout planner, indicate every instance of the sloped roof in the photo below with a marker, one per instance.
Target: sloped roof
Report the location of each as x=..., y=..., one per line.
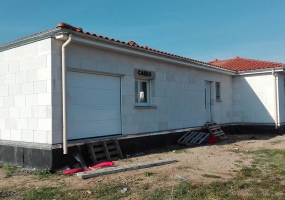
x=244, y=64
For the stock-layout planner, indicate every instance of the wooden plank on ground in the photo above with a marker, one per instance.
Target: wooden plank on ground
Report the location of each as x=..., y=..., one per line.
x=117, y=169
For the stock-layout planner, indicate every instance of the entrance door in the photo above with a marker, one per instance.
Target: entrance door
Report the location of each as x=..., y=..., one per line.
x=208, y=100
x=93, y=105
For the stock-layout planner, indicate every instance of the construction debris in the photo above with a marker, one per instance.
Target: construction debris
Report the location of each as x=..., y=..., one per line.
x=106, y=150
x=112, y=170
x=191, y=138
x=216, y=130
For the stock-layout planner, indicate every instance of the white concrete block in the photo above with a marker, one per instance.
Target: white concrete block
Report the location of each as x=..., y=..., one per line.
x=9, y=101
x=26, y=112
x=40, y=111
x=3, y=91
x=41, y=61
x=5, y=134
x=16, y=135
x=4, y=68
x=44, y=74
x=40, y=136
x=14, y=89
x=27, y=136
x=20, y=100
x=148, y=118
x=14, y=112
x=44, y=124
x=4, y=112
x=2, y=124
x=27, y=88
x=10, y=79
x=31, y=99
x=22, y=77
x=40, y=86
x=3, y=80
x=44, y=99
x=14, y=67
x=32, y=124
x=1, y=102
x=32, y=75
x=22, y=124
x=10, y=123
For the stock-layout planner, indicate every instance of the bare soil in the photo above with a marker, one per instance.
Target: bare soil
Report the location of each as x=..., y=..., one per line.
x=200, y=164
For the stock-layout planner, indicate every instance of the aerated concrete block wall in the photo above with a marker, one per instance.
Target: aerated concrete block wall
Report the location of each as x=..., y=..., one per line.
x=25, y=93
x=281, y=97
x=177, y=91
x=253, y=99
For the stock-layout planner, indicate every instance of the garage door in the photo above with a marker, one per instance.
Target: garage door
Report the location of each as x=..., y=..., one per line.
x=93, y=105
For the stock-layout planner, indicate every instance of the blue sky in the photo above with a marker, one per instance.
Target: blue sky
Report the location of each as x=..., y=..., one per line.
x=200, y=29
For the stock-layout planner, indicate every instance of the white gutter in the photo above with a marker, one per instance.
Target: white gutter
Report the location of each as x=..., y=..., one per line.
x=261, y=71
x=64, y=110
x=275, y=100
x=90, y=40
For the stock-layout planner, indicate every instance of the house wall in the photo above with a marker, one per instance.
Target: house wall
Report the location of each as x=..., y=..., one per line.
x=253, y=99
x=25, y=93
x=281, y=97
x=177, y=91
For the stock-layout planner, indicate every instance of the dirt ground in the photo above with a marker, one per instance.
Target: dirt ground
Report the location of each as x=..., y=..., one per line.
x=220, y=159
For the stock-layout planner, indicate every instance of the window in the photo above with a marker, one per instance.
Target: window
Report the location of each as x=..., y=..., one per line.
x=218, y=91
x=142, y=92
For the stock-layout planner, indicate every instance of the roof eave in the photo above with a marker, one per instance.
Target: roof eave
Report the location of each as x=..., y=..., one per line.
x=108, y=44
x=30, y=39
x=261, y=71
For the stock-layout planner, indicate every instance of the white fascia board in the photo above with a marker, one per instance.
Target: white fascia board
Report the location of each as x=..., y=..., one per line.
x=261, y=71
x=97, y=42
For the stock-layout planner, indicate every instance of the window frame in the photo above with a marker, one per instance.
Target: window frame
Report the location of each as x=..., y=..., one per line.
x=138, y=89
x=218, y=91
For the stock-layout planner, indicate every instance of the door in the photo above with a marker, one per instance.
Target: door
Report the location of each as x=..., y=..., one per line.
x=93, y=105
x=208, y=100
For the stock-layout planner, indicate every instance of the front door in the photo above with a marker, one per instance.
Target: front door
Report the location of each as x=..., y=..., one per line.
x=208, y=100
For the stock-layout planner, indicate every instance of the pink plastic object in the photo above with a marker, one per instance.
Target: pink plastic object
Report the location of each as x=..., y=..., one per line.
x=72, y=171
x=103, y=164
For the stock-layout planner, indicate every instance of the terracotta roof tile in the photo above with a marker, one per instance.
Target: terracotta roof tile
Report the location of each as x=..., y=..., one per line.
x=130, y=43
x=244, y=64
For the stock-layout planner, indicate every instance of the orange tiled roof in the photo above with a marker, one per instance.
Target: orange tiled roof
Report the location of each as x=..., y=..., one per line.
x=244, y=64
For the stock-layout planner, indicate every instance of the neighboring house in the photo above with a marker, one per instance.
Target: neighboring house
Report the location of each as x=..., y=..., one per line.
x=62, y=86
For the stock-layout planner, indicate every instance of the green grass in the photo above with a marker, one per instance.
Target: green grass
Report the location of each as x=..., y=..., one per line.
x=210, y=176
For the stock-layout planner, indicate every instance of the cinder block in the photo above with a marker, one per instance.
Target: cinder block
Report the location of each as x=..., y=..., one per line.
x=130, y=129
x=4, y=112
x=44, y=74
x=26, y=112
x=19, y=101
x=22, y=124
x=14, y=89
x=44, y=45
x=5, y=134
x=40, y=86
x=3, y=91
x=40, y=111
x=40, y=136
x=27, y=136
x=27, y=88
x=22, y=77
x=148, y=118
x=31, y=99
x=16, y=135
x=44, y=124
x=88, y=64
x=32, y=124
x=9, y=101
x=44, y=99
x=1, y=102
x=32, y=75
x=10, y=124
x=14, y=67
x=143, y=128
x=10, y=79
x=4, y=68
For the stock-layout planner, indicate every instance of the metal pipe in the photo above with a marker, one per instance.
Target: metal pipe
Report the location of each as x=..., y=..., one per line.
x=64, y=111
x=275, y=99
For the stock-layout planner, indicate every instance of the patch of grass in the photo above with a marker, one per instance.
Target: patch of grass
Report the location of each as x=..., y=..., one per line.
x=10, y=169
x=46, y=193
x=42, y=174
x=210, y=176
x=157, y=194
x=111, y=191
x=6, y=194
x=183, y=167
x=275, y=142
x=148, y=174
